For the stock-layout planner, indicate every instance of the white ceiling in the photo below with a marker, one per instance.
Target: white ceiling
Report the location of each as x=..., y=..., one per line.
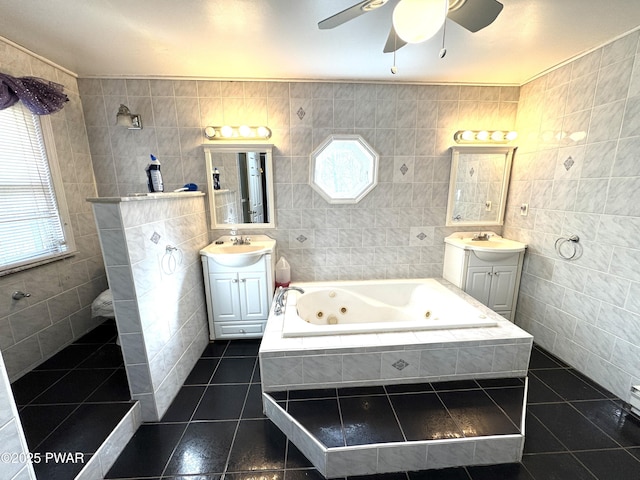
x=279, y=39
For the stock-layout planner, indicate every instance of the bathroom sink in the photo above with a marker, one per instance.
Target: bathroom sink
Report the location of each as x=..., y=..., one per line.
x=491, y=249
x=238, y=249
x=224, y=252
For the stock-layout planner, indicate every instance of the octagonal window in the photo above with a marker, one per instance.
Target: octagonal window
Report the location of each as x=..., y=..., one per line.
x=344, y=168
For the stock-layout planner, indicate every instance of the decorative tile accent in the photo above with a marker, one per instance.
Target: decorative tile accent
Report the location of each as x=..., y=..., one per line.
x=404, y=169
x=400, y=364
x=301, y=113
x=155, y=238
x=301, y=238
x=421, y=236
x=568, y=163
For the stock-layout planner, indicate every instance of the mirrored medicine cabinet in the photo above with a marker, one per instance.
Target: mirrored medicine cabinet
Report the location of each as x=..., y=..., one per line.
x=478, y=185
x=245, y=199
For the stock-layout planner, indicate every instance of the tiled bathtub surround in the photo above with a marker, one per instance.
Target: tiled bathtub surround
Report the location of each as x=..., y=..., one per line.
x=395, y=232
x=304, y=367
x=389, y=358
x=577, y=168
x=158, y=293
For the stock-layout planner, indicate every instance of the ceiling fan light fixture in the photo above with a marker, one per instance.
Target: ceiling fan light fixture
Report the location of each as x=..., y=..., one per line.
x=372, y=5
x=417, y=21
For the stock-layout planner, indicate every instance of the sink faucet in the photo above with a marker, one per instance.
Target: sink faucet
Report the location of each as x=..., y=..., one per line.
x=481, y=236
x=279, y=308
x=240, y=240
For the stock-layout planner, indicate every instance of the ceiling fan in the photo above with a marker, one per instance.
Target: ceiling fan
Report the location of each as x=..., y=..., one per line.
x=473, y=15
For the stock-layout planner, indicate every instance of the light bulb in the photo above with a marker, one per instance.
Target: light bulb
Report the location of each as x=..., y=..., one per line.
x=483, y=136
x=511, y=135
x=497, y=136
x=416, y=21
x=245, y=131
x=264, y=132
x=226, y=131
x=467, y=136
x=210, y=132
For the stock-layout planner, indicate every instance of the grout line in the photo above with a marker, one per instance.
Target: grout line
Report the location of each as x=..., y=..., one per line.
x=235, y=433
x=342, y=429
x=395, y=415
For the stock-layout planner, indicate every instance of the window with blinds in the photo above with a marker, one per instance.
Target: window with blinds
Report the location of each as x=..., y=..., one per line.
x=34, y=222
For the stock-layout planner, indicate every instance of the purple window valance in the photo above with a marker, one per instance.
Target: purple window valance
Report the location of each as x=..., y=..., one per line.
x=39, y=96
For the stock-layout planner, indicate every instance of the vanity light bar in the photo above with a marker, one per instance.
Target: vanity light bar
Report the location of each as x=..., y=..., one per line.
x=484, y=136
x=227, y=132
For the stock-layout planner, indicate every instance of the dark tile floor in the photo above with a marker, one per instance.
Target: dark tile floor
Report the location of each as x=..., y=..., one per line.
x=215, y=427
x=73, y=401
x=574, y=429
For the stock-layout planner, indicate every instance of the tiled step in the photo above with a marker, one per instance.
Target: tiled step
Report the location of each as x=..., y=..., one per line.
x=368, y=430
x=76, y=409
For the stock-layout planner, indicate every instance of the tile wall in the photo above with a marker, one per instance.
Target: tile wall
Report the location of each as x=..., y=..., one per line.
x=158, y=292
x=59, y=309
x=396, y=231
x=577, y=168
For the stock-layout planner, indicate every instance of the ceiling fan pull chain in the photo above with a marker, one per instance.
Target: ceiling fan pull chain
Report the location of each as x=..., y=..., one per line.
x=394, y=69
x=443, y=51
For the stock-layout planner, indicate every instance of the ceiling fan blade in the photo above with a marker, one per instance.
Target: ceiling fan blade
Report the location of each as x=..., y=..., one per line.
x=344, y=16
x=394, y=42
x=474, y=15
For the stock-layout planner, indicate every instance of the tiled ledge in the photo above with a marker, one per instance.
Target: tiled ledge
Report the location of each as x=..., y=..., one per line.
x=100, y=462
x=397, y=456
x=137, y=197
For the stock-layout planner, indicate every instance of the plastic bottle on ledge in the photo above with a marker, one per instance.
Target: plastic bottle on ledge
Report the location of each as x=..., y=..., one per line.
x=283, y=273
x=154, y=176
x=216, y=179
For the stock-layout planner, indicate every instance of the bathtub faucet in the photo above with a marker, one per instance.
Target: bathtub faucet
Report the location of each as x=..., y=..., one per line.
x=278, y=309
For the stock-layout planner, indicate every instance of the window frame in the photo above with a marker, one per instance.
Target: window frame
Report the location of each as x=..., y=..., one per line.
x=47, y=140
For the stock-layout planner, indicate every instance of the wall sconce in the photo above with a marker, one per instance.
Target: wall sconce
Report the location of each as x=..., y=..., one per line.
x=124, y=118
x=484, y=136
x=243, y=132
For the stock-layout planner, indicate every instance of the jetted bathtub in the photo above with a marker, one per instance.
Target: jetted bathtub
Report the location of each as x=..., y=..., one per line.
x=374, y=306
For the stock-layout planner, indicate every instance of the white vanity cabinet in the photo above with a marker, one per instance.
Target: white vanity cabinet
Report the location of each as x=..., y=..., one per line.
x=493, y=285
x=491, y=275
x=238, y=297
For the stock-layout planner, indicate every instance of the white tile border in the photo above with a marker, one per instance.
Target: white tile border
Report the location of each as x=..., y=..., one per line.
x=106, y=455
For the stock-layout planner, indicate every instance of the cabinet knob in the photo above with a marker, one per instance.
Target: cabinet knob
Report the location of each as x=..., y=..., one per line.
x=243, y=280
x=489, y=273
x=497, y=273
x=242, y=330
x=235, y=280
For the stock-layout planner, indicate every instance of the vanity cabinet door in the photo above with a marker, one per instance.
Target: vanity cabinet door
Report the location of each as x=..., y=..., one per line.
x=478, y=283
x=225, y=296
x=503, y=284
x=254, y=303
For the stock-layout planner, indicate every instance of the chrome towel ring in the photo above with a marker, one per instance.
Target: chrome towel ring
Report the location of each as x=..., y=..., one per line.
x=571, y=247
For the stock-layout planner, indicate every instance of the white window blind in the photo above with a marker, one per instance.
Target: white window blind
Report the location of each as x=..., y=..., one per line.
x=33, y=220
